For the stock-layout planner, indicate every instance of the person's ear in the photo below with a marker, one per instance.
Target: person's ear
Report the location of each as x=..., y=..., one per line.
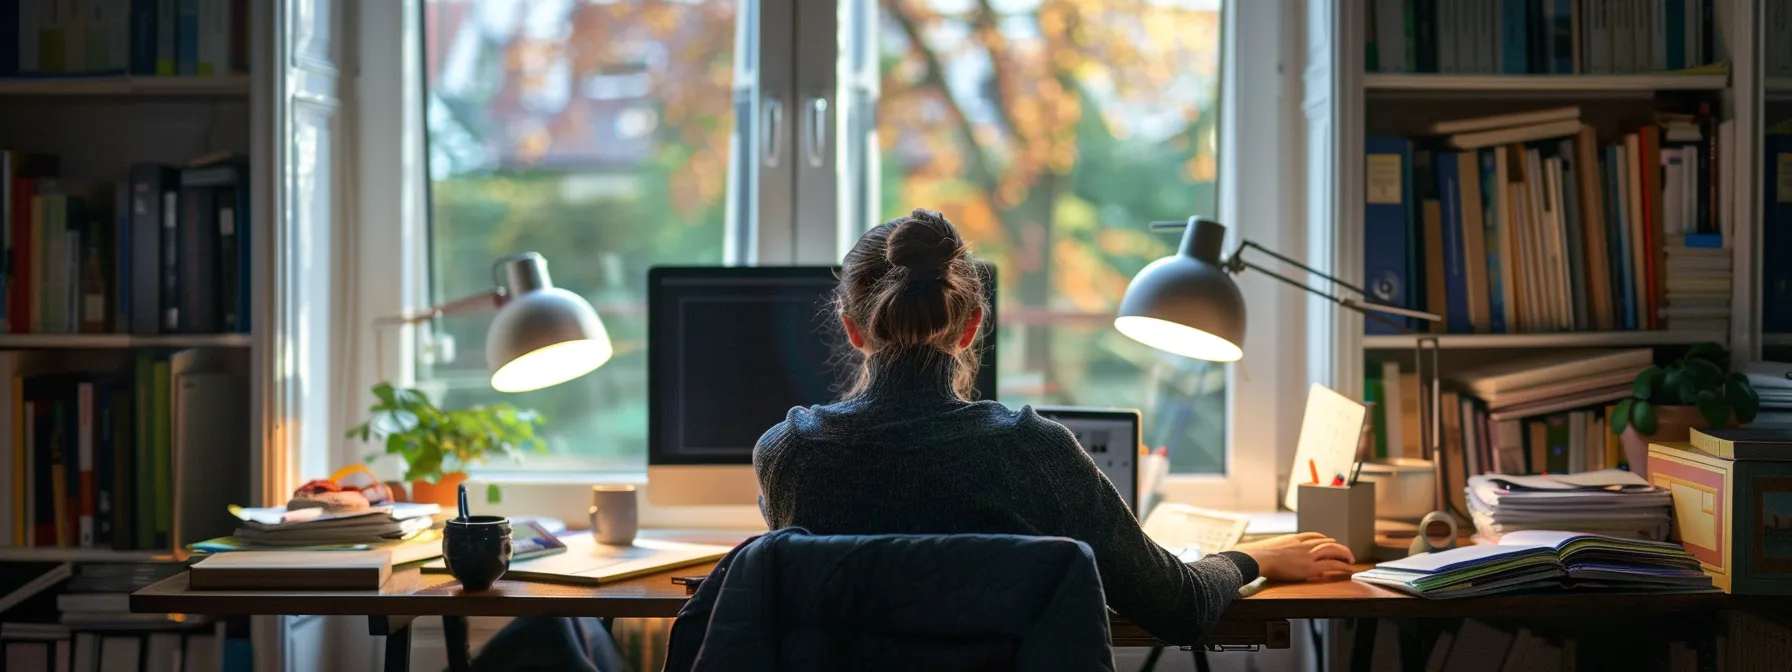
x=853, y=335
x=970, y=329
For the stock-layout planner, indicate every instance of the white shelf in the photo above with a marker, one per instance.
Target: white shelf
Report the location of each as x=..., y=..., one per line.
x=1582, y=85
x=20, y=554
x=227, y=85
x=1585, y=339
x=121, y=341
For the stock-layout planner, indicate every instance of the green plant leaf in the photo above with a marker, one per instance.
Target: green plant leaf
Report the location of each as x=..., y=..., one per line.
x=1738, y=376
x=1621, y=415
x=393, y=422
x=1705, y=375
x=1710, y=352
x=1714, y=409
x=1648, y=381
x=1676, y=388
x=1642, y=416
x=1743, y=400
x=493, y=493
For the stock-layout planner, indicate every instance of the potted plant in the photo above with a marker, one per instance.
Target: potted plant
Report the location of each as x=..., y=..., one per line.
x=437, y=445
x=1666, y=403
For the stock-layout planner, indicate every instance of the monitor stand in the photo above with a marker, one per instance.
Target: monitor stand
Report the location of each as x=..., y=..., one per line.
x=702, y=485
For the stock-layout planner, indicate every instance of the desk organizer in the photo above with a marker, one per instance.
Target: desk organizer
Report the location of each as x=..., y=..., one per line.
x=1346, y=514
x=1735, y=516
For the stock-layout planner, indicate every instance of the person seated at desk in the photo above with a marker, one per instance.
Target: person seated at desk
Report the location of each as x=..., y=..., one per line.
x=908, y=452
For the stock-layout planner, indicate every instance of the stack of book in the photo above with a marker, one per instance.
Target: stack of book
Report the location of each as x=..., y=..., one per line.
x=1772, y=382
x=100, y=460
x=76, y=616
x=1698, y=296
x=99, y=596
x=1540, y=413
x=1529, y=222
x=1610, y=501
x=1517, y=37
x=1544, y=560
x=166, y=250
x=137, y=37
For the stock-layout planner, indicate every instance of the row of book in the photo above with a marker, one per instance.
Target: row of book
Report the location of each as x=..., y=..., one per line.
x=128, y=462
x=166, y=38
x=127, y=651
x=165, y=250
x=77, y=616
x=1529, y=223
x=1541, y=37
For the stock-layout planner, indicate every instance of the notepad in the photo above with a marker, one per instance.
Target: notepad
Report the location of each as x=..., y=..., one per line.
x=1535, y=560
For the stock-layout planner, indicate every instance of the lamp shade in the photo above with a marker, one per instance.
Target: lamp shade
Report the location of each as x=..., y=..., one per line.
x=1186, y=303
x=543, y=335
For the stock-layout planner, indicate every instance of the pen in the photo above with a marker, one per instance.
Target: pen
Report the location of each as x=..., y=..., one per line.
x=1356, y=472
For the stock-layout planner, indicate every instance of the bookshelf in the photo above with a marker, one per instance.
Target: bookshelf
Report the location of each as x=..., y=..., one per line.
x=1585, y=339
x=1539, y=85
x=1344, y=104
x=15, y=554
x=228, y=85
x=122, y=341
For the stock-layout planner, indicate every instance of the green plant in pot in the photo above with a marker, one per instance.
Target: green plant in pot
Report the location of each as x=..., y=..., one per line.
x=437, y=444
x=1666, y=403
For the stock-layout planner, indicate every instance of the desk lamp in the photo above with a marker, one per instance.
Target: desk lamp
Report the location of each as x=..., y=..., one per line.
x=542, y=335
x=1187, y=304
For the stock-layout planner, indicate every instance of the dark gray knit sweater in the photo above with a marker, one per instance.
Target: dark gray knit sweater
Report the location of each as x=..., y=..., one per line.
x=906, y=457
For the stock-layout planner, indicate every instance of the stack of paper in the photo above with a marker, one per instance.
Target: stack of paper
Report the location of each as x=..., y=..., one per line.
x=1544, y=560
x=1773, y=384
x=277, y=526
x=1609, y=501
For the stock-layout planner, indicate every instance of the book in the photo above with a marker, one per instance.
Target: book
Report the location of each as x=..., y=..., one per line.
x=1517, y=373
x=292, y=570
x=1499, y=271
x=1519, y=134
x=1446, y=286
x=1742, y=443
x=1388, y=222
x=1473, y=243
x=1499, y=121
x=1595, y=254
x=154, y=205
x=1540, y=560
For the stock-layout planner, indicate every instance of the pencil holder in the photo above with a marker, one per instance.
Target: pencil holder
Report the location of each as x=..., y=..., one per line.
x=1345, y=513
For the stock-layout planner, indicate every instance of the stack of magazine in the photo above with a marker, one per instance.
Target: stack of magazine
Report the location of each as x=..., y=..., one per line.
x=1609, y=501
x=279, y=526
x=1544, y=560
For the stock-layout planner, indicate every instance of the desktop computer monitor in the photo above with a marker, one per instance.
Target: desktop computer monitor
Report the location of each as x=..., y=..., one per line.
x=730, y=351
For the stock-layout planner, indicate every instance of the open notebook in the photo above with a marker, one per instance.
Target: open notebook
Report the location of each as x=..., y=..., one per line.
x=1534, y=560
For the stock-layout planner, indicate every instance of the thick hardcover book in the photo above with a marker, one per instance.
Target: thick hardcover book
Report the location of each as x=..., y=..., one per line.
x=198, y=270
x=1455, y=269
x=154, y=199
x=1387, y=220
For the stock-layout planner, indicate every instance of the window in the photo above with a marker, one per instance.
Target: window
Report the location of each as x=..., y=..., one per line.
x=613, y=135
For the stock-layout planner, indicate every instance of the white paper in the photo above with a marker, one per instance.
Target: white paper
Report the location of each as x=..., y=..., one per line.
x=1329, y=433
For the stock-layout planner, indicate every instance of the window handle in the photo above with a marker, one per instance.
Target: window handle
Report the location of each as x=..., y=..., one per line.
x=817, y=145
x=772, y=120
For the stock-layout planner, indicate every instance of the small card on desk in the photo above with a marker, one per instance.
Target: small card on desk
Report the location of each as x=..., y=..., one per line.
x=292, y=570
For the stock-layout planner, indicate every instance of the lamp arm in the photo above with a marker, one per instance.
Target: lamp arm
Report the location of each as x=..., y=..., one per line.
x=1236, y=264
x=490, y=298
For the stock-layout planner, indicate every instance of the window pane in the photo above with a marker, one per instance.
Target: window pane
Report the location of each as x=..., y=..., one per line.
x=1051, y=132
x=601, y=134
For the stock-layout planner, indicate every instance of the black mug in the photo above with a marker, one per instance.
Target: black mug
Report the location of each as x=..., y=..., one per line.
x=477, y=550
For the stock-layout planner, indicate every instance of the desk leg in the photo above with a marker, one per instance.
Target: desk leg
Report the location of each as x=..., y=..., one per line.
x=460, y=654
x=398, y=649
x=1362, y=648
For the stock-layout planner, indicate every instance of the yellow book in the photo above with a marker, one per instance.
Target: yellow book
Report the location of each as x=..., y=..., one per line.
x=1734, y=443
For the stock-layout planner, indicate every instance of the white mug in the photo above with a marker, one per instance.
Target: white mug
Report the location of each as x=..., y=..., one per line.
x=614, y=517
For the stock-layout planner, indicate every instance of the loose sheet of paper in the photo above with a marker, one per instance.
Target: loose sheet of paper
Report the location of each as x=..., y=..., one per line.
x=1328, y=437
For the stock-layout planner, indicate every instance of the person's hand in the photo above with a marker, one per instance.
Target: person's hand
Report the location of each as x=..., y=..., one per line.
x=1308, y=556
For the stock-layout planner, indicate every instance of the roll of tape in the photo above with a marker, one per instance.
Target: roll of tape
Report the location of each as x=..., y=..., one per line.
x=1437, y=532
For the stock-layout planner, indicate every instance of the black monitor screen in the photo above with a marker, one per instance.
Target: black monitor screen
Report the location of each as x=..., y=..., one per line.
x=732, y=349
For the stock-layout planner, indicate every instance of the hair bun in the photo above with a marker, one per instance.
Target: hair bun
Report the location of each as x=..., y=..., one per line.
x=924, y=243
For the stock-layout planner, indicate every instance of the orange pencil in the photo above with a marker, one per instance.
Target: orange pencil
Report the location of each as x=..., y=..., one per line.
x=1313, y=467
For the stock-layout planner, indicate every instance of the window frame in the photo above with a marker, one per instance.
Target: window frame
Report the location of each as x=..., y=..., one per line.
x=799, y=224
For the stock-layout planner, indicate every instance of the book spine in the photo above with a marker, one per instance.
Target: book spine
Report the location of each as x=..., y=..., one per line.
x=1514, y=25
x=186, y=36
x=167, y=39
x=1708, y=33
x=30, y=17
x=41, y=207
x=1387, y=219
x=84, y=449
x=119, y=409
x=161, y=419
x=18, y=284
x=198, y=272
x=1674, y=37
x=44, y=475
x=1390, y=35
x=1473, y=238
x=149, y=185
x=1709, y=171
x=1658, y=35
x=1425, y=30
x=143, y=524
x=118, y=280
x=1431, y=235
x=143, y=37
x=1493, y=189
x=9, y=25
x=1776, y=234
x=1561, y=36
x=105, y=465
x=64, y=473
x=168, y=268
x=1622, y=61
x=1573, y=237
x=229, y=273
x=1654, y=247
x=239, y=35
x=1455, y=270
x=20, y=504
x=1627, y=238
x=241, y=278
